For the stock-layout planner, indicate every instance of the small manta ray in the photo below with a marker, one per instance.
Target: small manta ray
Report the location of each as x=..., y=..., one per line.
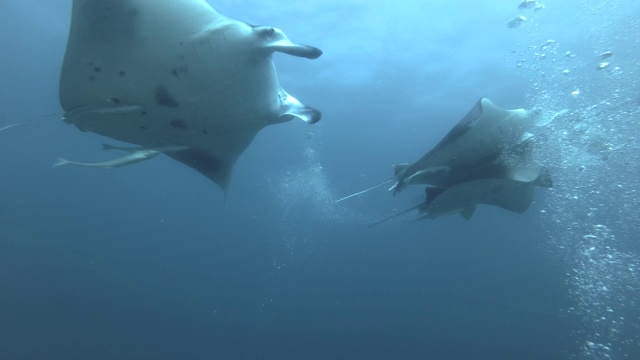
x=511, y=195
x=485, y=159
x=163, y=72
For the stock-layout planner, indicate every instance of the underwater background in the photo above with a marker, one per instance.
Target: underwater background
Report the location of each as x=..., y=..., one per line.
x=152, y=262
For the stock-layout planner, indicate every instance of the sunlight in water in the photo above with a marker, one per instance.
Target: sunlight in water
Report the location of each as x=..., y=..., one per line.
x=590, y=229
x=592, y=150
x=589, y=148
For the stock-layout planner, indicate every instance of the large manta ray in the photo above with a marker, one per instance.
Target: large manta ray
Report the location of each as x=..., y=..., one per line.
x=160, y=73
x=485, y=159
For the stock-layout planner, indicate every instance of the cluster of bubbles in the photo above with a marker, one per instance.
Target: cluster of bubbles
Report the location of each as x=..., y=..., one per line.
x=305, y=204
x=591, y=222
x=305, y=194
x=306, y=189
x=604, y=282
x=587, y=99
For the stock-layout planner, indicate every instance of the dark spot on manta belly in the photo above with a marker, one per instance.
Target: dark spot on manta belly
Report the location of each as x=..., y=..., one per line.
x=142, y=127
x=204, y=131
x=122, y=73
x=97, y=69
x=202, y=161
x=179, y=124
x=115, y=100
x=178, y=71
x=163, y=97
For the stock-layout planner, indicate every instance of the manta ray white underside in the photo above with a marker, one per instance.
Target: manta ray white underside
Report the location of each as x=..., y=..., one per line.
x=176, y=73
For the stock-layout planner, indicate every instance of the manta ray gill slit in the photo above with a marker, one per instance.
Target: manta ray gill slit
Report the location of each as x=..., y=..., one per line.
x=164, y=98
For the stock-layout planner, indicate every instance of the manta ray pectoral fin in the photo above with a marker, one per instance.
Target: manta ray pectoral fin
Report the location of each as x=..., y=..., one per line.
x=215, y=168
x=290, y=108
x=276, y=40
x=509, y=195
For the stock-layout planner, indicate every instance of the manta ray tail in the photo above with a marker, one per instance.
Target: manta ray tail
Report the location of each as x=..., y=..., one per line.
x=60, y=161
x=394, y=216
x=366, y=190
x=28, y=121
x=11, y=126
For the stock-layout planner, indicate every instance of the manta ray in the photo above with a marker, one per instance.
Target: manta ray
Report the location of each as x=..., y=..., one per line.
x=488, y=142
x=463, y=198
x=159, y=73
x=485, y=159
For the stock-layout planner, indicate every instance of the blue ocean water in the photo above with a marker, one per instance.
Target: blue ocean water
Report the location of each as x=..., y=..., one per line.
x=151, y=261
